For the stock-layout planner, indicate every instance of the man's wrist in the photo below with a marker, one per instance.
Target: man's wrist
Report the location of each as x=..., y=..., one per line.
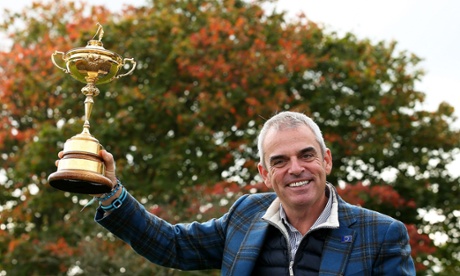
x=108, y=198
x=117, y=201
x=112, y=198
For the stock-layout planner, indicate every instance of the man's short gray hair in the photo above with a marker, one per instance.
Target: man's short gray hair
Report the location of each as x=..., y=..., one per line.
x=288, y=119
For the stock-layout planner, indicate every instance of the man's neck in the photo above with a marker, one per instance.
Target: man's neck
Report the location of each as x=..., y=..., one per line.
x=304, y=219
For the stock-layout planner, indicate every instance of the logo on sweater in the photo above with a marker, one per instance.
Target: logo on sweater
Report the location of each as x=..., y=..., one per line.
x=347, y=238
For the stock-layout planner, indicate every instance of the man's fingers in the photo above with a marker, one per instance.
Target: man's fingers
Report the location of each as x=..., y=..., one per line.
x=108, y=160
x=60, y=155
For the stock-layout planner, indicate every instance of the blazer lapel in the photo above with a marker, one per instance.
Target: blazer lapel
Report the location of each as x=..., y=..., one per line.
x=338, y=246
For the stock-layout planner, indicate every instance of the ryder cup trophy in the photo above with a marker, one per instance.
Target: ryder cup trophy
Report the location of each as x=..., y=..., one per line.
x=81, y=169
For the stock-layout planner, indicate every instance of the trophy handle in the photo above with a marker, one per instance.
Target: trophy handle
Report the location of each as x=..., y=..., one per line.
x=54, y=62
x=133, y=66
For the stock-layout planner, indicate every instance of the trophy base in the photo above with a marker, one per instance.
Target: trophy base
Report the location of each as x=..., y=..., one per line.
x=81, y=169
x=81, y=183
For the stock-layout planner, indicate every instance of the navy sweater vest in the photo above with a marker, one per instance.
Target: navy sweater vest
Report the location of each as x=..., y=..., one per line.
x=274, y=257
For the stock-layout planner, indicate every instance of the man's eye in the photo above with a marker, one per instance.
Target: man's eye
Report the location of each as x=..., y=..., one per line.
x=278, y=163
x=308, y=156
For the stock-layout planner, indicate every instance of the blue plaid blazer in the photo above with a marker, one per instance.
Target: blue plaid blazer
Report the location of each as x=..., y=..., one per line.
x=366, y=243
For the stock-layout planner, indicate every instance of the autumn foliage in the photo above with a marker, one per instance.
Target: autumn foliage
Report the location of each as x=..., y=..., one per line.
x=183, y=126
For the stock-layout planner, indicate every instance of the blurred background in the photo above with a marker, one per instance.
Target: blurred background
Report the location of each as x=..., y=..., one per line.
x=381, y=80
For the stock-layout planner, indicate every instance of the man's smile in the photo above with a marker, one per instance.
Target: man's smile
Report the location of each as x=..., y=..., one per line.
x=299, y=183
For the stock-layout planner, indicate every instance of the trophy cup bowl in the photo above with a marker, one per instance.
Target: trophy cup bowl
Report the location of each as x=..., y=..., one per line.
x=81, y=169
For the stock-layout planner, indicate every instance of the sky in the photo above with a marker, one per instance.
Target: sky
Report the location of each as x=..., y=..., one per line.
x=430, y=29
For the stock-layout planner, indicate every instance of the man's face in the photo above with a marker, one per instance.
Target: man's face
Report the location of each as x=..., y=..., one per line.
x=296, y=169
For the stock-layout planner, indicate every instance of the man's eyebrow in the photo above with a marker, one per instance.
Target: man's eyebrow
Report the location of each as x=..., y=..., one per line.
x=276, y=157
x=307, y=150
x=283, y=157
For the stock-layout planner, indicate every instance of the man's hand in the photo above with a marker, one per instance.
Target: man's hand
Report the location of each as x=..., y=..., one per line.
x=109, y=166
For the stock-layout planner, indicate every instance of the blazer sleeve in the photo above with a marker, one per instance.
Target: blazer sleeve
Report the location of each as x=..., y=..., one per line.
x=186, y=246
x=394, y=256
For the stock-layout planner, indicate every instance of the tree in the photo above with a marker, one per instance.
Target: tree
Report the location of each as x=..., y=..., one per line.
x=183, y=126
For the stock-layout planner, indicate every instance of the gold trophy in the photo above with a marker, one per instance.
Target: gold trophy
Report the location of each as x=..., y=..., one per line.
x=81, y=169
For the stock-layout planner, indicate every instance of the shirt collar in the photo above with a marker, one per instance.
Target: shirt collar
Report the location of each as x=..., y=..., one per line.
x=329, y=217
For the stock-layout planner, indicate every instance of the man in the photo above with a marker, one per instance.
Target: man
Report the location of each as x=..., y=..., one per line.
x=303, y=228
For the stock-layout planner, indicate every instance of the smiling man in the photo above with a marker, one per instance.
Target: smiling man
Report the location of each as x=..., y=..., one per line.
x=303, y=228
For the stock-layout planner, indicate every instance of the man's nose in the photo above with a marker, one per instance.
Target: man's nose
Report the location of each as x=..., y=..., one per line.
x=296, y=167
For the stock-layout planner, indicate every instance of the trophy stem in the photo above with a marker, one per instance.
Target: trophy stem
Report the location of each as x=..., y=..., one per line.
x=89, y=91
x=88, y=109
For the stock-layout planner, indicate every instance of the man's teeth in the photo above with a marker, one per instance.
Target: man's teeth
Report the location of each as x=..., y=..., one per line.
x=298, y=184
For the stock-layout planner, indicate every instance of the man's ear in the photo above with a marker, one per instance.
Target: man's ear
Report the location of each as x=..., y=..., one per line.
x=328, y=161
x=264, y=173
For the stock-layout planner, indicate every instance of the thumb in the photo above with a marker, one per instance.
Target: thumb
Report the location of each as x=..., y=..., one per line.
x=109, y=162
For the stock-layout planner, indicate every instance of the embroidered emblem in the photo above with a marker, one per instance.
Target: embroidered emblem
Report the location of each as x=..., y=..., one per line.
x=347, y=238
